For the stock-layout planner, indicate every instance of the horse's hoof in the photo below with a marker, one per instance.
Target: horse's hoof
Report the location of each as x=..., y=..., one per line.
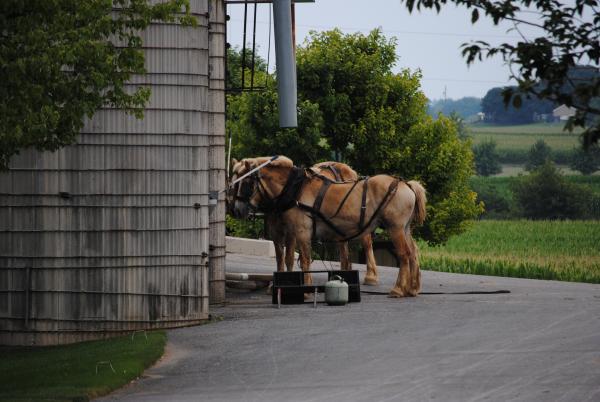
x=396, y=292
x=370, y=281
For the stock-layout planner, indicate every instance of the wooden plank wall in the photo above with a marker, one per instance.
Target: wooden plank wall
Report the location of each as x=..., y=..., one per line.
x=112, y=234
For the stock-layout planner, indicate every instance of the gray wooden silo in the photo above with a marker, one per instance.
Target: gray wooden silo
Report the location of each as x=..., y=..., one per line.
x=115, y=233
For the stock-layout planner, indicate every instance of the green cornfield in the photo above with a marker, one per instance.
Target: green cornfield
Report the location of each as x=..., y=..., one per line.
x=554, y=250
x=519, y=138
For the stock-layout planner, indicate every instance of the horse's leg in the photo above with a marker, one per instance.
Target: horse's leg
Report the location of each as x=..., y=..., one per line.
x=345, y=262
x=415, y=269
x=303, y=241
x=372, y=277
x=290, y=248
x=273, y=232
x=404, y=283
x=278, y=254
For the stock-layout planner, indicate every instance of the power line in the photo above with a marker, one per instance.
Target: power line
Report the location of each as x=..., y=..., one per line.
x=459, y=80
x=393, y=31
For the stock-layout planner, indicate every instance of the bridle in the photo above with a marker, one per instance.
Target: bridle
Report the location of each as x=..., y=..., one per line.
x=252, y=184
x=245, y=187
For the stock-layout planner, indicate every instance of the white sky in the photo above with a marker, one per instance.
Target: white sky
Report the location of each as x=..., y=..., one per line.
x=426, y=40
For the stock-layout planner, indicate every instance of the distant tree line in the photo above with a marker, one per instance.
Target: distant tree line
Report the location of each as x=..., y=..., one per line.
x=528, y=109
x=531, y=109
x=466, y=107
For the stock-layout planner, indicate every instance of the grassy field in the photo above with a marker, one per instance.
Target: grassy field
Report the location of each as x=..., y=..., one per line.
x=557, y=250
x=517, y=138
x=76, y=372
x=502, y=183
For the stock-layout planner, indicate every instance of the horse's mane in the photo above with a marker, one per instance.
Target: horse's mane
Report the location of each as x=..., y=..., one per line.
x=282, y=161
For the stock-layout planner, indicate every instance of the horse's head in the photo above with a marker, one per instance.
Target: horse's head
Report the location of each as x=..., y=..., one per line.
x=238, y=195
x=255, y=190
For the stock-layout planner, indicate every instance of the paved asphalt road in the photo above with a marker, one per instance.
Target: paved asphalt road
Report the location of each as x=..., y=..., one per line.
x=541, y=342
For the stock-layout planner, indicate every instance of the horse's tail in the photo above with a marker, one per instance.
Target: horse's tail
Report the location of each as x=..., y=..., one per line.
x=421, y=200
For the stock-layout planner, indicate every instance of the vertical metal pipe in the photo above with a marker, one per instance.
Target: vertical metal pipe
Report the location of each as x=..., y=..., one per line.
x=253, y=48
x=294, y=28
x=244, y=43
x=286, y=63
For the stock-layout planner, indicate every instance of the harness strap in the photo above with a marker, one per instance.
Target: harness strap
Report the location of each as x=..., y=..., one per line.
x=321, y=195
x=320, y=215
x=363, y=203
x=390, y=192
x=344, y=200
x=318, y=201
x=335, y=172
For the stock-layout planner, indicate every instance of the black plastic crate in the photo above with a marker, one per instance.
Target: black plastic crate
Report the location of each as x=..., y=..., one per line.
x=293, y=287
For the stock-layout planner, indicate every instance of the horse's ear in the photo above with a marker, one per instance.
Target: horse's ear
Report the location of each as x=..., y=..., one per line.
x=234, y=162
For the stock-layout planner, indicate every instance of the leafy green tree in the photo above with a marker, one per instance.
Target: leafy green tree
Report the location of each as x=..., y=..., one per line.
x=234, y=70
x=487, y=159
x=546, y=194
x=545, y=65
x=461, y=127
x=432, y=153
x=362, y=101
x=586, y=161
x=253, y=122
x=58, y=65
x=539, y=154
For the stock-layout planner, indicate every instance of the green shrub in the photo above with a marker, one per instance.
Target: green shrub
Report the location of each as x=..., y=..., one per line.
x=563, y=156
x=586, y=161
x=546, y=194
x=248, y=228
x=487, y=160
x=498, y=204
x=521, y=156
x=538, y=155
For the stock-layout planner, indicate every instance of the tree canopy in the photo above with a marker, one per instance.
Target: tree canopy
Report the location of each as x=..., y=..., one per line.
x=569, y=38
x=61, y=60
x=354, y=109
x=496, y=111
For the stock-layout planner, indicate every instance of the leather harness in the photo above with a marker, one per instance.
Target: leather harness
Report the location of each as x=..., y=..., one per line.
x=289, y=195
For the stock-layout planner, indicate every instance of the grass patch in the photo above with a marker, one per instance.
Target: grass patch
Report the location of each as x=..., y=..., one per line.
x=68, y=372
x=557, y=250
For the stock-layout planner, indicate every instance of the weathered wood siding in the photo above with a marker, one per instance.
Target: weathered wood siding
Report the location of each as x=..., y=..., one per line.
x=112, y=234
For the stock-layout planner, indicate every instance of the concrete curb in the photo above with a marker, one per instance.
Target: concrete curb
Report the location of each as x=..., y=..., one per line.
x=239, y=245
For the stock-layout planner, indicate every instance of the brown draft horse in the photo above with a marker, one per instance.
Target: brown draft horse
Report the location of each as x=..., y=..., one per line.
x=384, y=201
x=284, y=239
